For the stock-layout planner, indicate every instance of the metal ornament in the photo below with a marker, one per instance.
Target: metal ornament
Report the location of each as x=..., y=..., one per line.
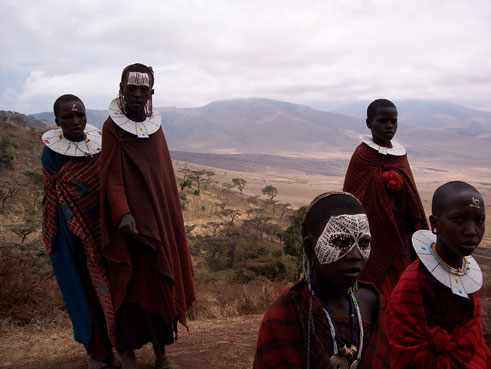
x=355, y=364
x=339, y=362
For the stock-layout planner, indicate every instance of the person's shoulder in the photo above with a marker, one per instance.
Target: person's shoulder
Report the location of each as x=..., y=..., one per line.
x=47, y=155
x=370, y=300
x=282, y=306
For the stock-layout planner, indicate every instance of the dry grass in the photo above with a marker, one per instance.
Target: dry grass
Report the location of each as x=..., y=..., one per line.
x=25, y=296
x=225, y=300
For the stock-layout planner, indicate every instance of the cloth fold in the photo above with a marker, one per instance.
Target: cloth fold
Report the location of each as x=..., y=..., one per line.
x=137, y=177
x=414, y=344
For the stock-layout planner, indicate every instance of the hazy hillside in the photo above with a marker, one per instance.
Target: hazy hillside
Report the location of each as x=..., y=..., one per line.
x=437, y=133
x=22, y=120
x=431, y=114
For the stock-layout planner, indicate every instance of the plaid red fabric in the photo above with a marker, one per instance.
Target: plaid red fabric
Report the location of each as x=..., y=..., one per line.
x=364, y=180
x=76, y=189
x=282, y=341
x=415, y=344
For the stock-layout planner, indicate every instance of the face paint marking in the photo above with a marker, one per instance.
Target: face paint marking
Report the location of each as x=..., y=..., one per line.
x=476, y=203
x=138, y=79
x=74, y=107
x=341, y=234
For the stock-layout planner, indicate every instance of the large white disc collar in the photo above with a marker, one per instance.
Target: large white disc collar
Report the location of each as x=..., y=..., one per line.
x=460, y=285
x=91, y=145
x=397, y=149
x=140, y=129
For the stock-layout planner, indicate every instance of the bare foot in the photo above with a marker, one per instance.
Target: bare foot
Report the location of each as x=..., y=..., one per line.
x=95, y=363
x=128, y=360
x=163, y=362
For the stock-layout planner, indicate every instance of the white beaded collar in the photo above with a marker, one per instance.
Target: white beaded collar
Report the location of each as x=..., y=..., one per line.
x=397, y=149
x=140, y=129
x=91, y=145
x=460, y=285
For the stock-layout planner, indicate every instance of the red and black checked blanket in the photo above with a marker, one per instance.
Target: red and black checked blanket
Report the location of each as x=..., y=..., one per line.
x=76, y=188
x=364, y=180
x=282, y=341
x=415, y=345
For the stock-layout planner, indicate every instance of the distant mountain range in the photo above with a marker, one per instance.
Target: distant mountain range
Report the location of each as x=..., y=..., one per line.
x=428, y=129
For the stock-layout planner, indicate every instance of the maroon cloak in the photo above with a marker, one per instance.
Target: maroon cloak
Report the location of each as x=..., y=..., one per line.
x=364, y=180
x=137, y=177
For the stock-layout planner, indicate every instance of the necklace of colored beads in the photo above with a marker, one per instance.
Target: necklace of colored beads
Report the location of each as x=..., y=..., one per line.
x=455, y=271
x=343, y=353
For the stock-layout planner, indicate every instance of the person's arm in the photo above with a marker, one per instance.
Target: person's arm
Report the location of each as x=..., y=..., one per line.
x=115, y=187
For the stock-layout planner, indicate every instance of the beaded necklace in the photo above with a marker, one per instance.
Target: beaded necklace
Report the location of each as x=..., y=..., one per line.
x=342, y=353
x=455, y=271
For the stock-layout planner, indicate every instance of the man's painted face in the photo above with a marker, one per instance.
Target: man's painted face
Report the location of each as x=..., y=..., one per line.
x=341, y=234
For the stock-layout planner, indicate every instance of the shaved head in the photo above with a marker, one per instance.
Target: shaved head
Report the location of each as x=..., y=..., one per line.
x=445, y=195
x=376, y=104
x=62, y=99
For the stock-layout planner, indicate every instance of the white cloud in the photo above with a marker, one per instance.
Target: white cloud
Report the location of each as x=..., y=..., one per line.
x=315, y=52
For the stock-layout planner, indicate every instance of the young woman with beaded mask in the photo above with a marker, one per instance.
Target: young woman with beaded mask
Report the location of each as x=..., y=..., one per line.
x=316, y=323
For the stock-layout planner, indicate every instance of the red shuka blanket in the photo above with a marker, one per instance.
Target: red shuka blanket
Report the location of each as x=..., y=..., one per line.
x=282, y=341
x=364, y=180
x=76, y=188
x=416, y=345
x=137, y=177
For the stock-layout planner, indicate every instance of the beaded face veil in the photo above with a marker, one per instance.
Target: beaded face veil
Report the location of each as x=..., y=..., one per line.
x=341, y=234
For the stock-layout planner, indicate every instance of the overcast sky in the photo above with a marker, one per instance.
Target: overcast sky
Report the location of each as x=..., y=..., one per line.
x=319, y=53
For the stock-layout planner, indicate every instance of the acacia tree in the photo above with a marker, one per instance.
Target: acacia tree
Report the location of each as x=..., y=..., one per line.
x=284, y=208
x=25, y=229
x=233, y=214
x=201, y=177
x=240, y=183
x=35, y=190
x=186, y=181
x=7, y=190
x=271, y=192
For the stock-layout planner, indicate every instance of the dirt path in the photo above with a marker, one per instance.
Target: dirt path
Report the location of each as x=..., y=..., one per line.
x=225, y=343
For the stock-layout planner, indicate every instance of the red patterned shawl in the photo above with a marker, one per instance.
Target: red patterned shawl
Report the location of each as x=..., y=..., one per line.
x=282, y=337
x=415, y=345
x=76, y=188
x=364, y=180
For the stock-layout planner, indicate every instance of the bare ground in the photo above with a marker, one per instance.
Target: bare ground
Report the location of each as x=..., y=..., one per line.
x=211, y=343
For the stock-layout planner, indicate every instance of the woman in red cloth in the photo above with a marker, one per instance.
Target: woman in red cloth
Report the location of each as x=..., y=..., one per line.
x=143, y=237
x=379, y=175
x=434, y=315
x=328, y=320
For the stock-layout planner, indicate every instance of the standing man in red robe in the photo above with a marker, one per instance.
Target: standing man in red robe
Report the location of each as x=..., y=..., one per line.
x=379, y=175
x=143, y=236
